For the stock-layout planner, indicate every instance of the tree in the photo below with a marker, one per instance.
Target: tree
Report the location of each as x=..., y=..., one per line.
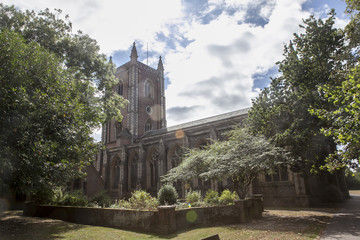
x=281, y=112
x=344, y=121
x=343, y=118
x=241, y=158
x=55, y=89
x=78, y=52
x=352, y=29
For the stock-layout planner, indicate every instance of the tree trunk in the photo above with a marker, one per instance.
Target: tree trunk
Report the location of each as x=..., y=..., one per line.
x=241, y=190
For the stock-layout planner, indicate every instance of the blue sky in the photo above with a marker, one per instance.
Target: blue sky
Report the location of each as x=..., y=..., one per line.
x=217, y=54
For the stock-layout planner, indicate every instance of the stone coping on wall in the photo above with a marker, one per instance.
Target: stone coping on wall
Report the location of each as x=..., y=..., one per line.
x=164, y=220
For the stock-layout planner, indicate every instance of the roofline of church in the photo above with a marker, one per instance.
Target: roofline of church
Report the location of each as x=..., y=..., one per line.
x=195, y=123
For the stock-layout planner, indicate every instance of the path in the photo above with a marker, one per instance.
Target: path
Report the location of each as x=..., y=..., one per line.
x=346, y=223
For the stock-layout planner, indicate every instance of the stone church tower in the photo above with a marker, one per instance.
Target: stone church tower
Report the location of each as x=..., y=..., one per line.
x=143, y=86
x=121, y=165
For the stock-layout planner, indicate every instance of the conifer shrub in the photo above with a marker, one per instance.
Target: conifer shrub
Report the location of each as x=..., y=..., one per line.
x=211, y=197
x=167, y=195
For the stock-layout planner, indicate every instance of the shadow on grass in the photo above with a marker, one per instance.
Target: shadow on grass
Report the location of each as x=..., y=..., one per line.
x=15, y=226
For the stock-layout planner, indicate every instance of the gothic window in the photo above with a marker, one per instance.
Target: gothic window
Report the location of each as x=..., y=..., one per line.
x=116, y=179
x=134, y=170
x=118, y=128
x=176, y=158
x=148, y=125
x=120, y=89
x=280, y=174
x=153, y=169
x=149, y=89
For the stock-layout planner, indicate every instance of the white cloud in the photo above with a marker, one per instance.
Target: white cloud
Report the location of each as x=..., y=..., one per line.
x=230, y=53
x=227, y=42
x=114, y=24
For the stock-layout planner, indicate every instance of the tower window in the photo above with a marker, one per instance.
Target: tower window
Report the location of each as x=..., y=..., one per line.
x=120, y=89
x=118, y=128
x=148, y=125
x=149, y=89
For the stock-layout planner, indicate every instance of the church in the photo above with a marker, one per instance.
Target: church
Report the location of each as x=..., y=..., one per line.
x=141, y=148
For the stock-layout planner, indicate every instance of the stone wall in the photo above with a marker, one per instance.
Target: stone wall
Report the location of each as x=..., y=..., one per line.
x=164, y=220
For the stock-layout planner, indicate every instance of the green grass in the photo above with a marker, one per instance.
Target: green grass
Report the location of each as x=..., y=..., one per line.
x=276, y=224
x=354, y=192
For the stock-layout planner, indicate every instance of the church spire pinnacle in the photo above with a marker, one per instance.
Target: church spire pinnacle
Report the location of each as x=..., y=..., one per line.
x=160, y=65
x=133, y=56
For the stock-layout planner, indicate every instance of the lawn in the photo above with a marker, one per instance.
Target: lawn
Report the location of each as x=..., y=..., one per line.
x=275, y=224
x=354, y=192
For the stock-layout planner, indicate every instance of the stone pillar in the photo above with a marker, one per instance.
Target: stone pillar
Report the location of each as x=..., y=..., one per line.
x=166, y=220
x=258, y=205
x=241, y=207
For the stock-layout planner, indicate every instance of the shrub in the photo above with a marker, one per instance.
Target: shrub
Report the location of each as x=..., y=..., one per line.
x=101, y=199
x=211, y=197
x=167, y=195
x=227, y=197
x=76, y=198
x=121, y=204
x=61, y=197
x=141, y=199
x=193, y=197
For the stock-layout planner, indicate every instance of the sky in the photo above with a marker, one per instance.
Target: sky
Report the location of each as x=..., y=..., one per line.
x=217, y=54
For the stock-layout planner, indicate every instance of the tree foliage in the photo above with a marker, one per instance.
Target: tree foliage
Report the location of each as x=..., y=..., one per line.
x=241, y=158
x=344, y=121
x=343, y=116
x=55, y=89
x=281, y=112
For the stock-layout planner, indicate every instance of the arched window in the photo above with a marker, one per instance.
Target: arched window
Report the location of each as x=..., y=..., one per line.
x=176, y=157
x=116, y=175
x=118, y=128
x=148, y=125
x=134, y=170
x=154, y=175
x=149, y=89
x=120, y=89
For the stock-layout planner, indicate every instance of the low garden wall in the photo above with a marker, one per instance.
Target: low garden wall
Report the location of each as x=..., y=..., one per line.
x=164, y=220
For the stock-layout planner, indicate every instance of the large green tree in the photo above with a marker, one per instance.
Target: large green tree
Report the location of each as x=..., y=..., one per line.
x=343, y=119
x=281, y=112
x=56, y=88
x=241, y=158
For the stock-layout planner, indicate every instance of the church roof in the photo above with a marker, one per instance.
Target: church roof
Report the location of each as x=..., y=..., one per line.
x=199, y=122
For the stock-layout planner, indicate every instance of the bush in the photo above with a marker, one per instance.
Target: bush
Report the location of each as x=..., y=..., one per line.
x=121, y=204
x=227, y=197
x=193, y=197
x=61, y=197
x=101, y=199
x=141, y=199
x=211, y=197
x=76, y=198
x=167, y=195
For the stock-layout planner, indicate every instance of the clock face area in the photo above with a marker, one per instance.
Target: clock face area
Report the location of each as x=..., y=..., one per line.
x=149, y=110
